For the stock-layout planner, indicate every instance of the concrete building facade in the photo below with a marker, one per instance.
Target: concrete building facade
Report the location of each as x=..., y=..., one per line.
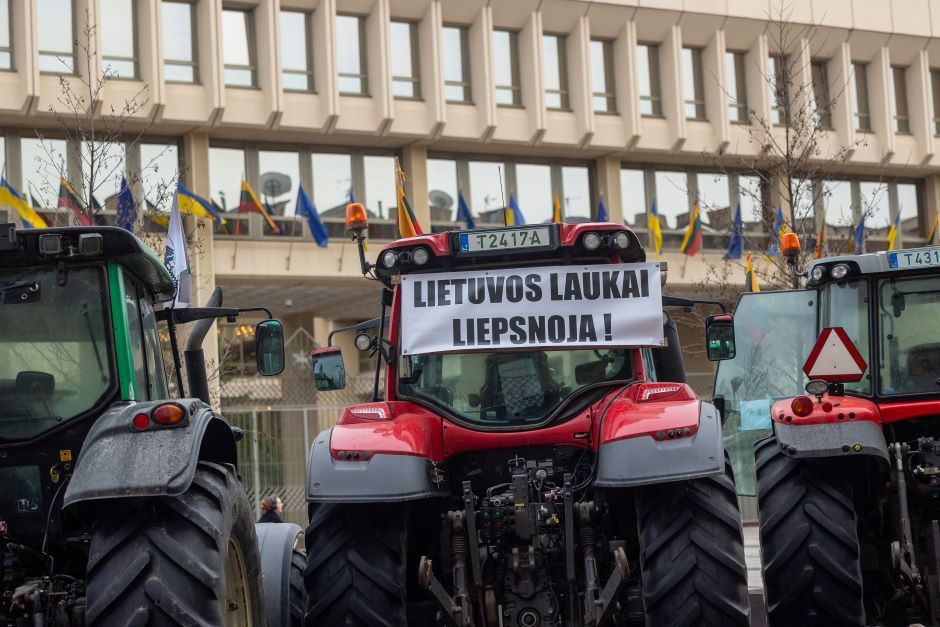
x=632, y=102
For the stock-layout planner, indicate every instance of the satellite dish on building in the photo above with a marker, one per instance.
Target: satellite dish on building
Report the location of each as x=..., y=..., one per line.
x=274, y=184
x=440, y=199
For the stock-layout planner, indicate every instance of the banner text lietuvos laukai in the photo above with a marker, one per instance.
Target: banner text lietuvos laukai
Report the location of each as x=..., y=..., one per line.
x=553, y=307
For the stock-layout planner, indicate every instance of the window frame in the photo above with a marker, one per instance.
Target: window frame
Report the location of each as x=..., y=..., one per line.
x=135, y=59
x=698, y=86
x=655, y=97
x=194, y=49
x=9, y=50
x=252, y=44
x=819, y=69
x=860, y=95
x=610, y=95
x=466, y=83
x=902, y=123
x=415, y=78
x=515, y=89
x=53, y=54
x=363, y=75
x=563, y=92
x=739, y=103
x=308, y=52
x=935, y=90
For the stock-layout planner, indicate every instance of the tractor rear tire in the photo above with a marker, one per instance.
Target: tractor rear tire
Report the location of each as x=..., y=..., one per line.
x=809, y=540
x=177, y=560
x=692, y=553
x=355, y=573
x=298, y=562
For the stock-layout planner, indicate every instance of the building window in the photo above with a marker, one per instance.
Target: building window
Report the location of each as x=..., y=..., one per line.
x=443, y=191
x=576, y=186
x=672, y=199
x=238, y=48
x=6, y=45
x=737, y=87
x=456, y=64
x=179, y=47
x=821, y=98
x=118, y=46
x=280, y=179
x=296, y=51
x=226, y=171
x=693, y=83
x=534, y=191
x=506, y=68
x=902, y=123
x=633, y=196
x=56, y=36
x=602, y=76
x=935, y=87
x=647, y=60
x=406, y=81
x=860, y=97
x=777, y=80
x=380, y=188
x=43, y=162
x=332, y=183
x=488, y=193
x=159, y=169
x=351, y=58
x=555, y=68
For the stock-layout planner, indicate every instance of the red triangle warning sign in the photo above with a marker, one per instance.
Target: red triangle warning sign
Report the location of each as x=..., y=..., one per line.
x=834, y=358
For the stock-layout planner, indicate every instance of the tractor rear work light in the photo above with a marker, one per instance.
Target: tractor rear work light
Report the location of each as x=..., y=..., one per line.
x=802, y=406
x=818, y=273
x=839, y=271
x=621, y=240
x=388, y=259
x=591, y=241
x=357, y=222
x=90, y=244
x=168, y=414
x=50, y=245
x=420, y=256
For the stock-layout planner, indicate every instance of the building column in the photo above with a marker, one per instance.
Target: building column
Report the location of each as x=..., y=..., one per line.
x=608, y=187
x=195, y=160
x=414, y=161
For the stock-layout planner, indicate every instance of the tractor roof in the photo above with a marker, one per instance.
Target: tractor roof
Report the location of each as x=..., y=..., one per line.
x=907, y=261
x=558, y=244
x=23, y=249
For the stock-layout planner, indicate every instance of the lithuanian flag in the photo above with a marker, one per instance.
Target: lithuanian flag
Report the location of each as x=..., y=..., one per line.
x=692, y=241
x=68, y=199
x=11, y=198
x=407, y=222
x=248, y=203
x=750, y=278
x=556, y=210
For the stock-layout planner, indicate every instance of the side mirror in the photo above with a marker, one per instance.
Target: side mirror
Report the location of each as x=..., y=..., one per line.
x=329, y=373
x=269, y=347
x=719, y=337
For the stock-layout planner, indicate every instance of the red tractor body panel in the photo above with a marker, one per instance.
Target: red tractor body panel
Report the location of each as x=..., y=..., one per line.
x=848, y=409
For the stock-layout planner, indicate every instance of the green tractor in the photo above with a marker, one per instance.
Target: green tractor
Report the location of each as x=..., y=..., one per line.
x=119, y=504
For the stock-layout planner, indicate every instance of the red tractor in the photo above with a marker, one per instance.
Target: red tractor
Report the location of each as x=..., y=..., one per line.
x=535, y=458
x=846, y=384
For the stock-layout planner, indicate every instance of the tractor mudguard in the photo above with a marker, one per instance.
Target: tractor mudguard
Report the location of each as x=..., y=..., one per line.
x=837, y=439
x=664, y=455
x=376, y=479
x=119, y=461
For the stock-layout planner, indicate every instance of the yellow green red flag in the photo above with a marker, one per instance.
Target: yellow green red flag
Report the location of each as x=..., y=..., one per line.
x=408, y=225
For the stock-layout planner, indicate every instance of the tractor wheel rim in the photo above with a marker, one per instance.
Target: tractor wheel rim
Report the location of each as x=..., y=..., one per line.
x=237, y=604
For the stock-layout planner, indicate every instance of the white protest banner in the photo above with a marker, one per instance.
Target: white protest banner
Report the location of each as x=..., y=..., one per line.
x=551, y=307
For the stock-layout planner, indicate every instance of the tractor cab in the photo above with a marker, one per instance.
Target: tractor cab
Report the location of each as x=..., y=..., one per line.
x=887, y=303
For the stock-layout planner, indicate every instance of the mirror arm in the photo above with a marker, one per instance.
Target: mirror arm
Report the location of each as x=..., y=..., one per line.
x=264, y=309
x=688, y=303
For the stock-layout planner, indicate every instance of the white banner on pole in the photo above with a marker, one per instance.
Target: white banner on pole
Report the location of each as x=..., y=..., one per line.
x=549, y=307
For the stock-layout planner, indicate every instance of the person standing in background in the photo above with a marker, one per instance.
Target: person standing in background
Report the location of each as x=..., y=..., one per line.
x=271, y=508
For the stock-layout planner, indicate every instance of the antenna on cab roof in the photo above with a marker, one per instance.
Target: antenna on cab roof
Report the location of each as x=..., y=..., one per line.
x=502, y=194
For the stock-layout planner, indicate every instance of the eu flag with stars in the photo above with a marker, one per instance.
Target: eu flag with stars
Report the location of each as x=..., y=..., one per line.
x=463, y=212
x=126, y=207
x=306, y=209
x=736, y=246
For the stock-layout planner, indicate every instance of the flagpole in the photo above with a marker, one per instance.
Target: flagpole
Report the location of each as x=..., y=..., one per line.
x=290, y=252
x=684, y=264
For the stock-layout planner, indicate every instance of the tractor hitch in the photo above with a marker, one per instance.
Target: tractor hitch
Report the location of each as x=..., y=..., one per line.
x=455, y=614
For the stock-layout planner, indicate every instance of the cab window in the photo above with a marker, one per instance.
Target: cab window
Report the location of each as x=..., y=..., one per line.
x=846, y=305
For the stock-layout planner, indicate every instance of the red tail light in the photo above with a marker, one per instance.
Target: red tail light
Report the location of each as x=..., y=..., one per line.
x=802, y=406
x=141, y=421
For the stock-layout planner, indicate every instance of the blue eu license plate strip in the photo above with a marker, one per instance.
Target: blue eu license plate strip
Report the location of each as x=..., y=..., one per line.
x=914, y=258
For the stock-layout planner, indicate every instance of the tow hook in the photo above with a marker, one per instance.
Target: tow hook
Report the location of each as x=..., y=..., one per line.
x=452, y=611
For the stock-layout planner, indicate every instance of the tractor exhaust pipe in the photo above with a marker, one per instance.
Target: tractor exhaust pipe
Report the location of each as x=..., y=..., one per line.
x=194, y=356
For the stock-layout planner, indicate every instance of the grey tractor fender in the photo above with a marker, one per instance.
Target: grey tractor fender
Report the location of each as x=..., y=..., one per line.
x=118, y=461
x=381, y=478
x=840, y=439
x=644, y=460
